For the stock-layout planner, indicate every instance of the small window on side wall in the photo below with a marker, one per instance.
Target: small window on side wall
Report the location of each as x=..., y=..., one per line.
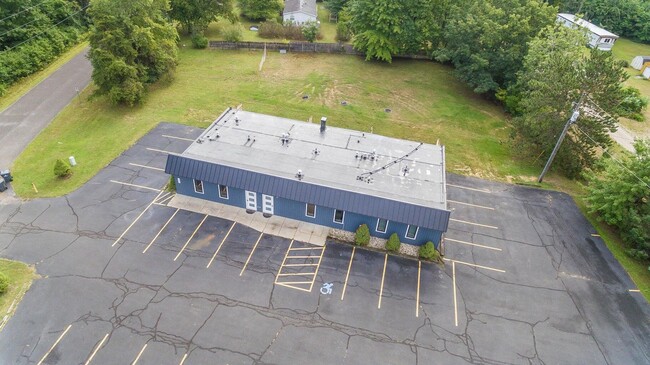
x=310, y=210
x=198, y=186
x=382, y=225
x=339, y=215
x=411, y=232
x=223, y=192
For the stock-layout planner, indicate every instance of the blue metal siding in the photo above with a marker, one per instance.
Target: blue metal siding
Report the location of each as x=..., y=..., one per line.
x=296, y=210
x=362, y=204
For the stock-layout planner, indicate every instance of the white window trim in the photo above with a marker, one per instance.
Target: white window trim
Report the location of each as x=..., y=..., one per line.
x=342, y=218
x=307, y=209
x=227, y=192
x=377, y=226
x=202, y=187
x=417, y=229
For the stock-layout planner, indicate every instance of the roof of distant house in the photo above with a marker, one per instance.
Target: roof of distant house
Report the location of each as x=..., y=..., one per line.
x=591, y=27
x=300, y=160
x=305, y=6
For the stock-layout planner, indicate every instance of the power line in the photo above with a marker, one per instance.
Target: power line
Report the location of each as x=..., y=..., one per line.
x=18, y=27
x=613, y=158
x=22, y=11
x=52, y=26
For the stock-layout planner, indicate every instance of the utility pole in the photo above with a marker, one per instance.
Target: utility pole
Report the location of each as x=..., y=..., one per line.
x=574, y=117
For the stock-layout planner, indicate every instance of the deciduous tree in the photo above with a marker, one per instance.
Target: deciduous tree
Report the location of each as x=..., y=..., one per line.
x=132, y=45
x=196, y=15
x=261, y=9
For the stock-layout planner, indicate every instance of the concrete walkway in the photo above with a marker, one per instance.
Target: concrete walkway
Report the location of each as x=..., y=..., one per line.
x=624, y=137
x=21, y=122
x=274, y=225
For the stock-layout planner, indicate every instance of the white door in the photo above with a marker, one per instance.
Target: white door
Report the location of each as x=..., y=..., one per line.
x=267, y=204
x=251, y=200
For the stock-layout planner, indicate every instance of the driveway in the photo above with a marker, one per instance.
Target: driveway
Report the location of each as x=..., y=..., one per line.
x=24, y=119
x=127, y=279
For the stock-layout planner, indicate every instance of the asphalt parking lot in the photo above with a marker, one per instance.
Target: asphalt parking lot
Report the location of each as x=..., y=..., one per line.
x=127, y=279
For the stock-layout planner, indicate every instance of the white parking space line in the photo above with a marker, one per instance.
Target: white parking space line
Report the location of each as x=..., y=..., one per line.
x=417, y=295
x=157, y=150
x=473, y=224
x=453, y=279
x=251, y=254
x=136, y=219
x=159, y=232
x=146, y=167
x=181, y=138
x=383, y=276
x=474, y=265
x=135, y=185
x=140, y=354
x=470, y=205
x=634, y=291
x=472, y=189
x=183, y=359
x=192, y=236
x=345, y=284
x=99, y=346
x=221, y=244
x=55, y=343
x=473, y=244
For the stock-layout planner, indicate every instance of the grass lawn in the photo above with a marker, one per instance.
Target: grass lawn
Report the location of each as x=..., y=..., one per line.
x=21, y=87
x=20, y=278
x=215, y=30
x=626, y=50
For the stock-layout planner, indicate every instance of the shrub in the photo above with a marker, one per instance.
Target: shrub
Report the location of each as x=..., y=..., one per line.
x=362, y=237
x=273, y=29
x=310, y=31
x=233, y=33
x=171, y=186
x=393, y=243
x=199, y=41
x=62, y=169
x=428, y=252
x=4, y=283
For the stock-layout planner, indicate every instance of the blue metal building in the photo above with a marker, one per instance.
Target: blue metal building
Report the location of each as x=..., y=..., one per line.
x=333, y=177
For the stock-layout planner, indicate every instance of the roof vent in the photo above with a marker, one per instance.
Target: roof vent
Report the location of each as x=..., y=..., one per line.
x=316, y=152
x=299, y=175
x=323, y=124
x=237, y=121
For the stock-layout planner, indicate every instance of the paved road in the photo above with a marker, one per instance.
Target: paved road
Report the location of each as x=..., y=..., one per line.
x=25, y=119
x=547, y=290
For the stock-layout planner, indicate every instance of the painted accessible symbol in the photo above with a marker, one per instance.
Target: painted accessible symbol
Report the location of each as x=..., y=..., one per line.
x=326, y=288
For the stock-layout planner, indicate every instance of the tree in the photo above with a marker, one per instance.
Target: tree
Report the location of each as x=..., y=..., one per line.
x=384, y=28
x=310, y=31
x=132, y=44
x=196, y=15
x=261, y=9
x=362, y=236
x=558, y=71
x=335, y=6
x=486, y=40
x=621, y=198
x=629, y=18
x=393, y=243
x=62, y=169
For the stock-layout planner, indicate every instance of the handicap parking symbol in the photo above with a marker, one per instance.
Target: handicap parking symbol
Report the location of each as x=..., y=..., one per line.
x=326, y=288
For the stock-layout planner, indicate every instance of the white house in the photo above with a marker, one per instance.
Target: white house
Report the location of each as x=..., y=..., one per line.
x=638, y=62
x=646, y=73
x=300, y=11
x=598, y=37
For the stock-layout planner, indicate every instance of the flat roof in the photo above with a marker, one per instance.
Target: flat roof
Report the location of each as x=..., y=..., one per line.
x=344, y=159
x=592, y=27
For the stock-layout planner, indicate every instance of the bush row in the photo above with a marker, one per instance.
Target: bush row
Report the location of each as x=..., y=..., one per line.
x=288, y=30
x=426, y=252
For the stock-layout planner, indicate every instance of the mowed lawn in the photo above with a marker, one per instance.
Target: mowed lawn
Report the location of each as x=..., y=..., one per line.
x=626, y=50
x=20, y=278
x=427, y=104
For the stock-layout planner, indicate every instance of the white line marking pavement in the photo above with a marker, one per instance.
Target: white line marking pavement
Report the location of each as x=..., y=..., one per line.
x=417, y=296
x=471, y=205
x=140, y=354
x=146, y=167
x=134, y=185
x=157, y=150
x=474, y=265
x=136, y=219
x=99, y=346
x=252, y=251
x=221, y=244
x=635, y=290
x=183, y=359
x=473, y=224
x=345, y=284
x=181, y=138
x=453, y=274
x=55, y=343
x=473, y=244
x=162, y=229
x=383, y=276
x=192, y=236
x=473, y=189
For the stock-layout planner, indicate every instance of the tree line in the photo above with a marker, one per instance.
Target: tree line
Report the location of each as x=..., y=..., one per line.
x=35, y=32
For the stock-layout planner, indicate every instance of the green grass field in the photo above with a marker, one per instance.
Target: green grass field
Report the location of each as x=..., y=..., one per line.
x=626, y=50
x=20, y=278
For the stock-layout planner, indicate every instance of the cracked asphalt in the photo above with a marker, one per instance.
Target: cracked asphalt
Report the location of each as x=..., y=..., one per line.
x=545, y=291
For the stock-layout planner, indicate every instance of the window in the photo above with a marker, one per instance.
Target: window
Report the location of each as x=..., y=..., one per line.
x=198, y=186
x=382, y=224
x=223, y=192
x=310, y=210
x=411, y=232
x=338, y=216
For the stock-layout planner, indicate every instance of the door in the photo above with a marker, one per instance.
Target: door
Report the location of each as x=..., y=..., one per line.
x=251, y=200
x=267, y=204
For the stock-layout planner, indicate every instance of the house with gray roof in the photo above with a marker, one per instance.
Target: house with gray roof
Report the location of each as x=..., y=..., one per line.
x=597, y=36
x=300, y=11
x=334, y=177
